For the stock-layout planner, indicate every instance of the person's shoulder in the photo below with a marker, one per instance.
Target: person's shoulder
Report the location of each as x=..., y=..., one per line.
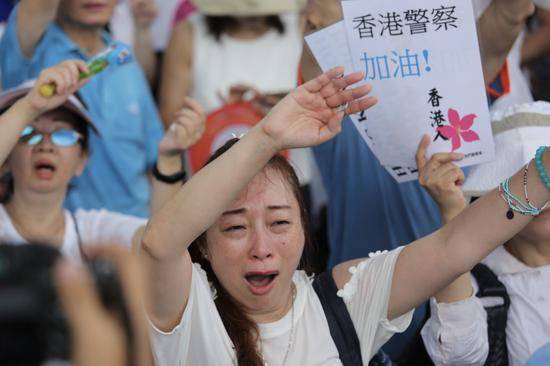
x=83, y=214
x=378, y=264
x=540, y=357
x=302, y=278
x=200, y=279
x=102, y=215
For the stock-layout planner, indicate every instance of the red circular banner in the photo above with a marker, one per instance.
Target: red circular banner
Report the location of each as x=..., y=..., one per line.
x=231, y=120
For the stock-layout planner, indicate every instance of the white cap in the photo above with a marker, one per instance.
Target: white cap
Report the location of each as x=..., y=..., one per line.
x=9, y=97
x=518, y=132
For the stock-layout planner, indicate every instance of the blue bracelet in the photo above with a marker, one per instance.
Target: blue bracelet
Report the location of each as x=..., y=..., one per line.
x=543, y=174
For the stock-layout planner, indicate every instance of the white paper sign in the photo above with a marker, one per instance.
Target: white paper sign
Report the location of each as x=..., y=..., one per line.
x=329, y=46
x=326, y=47
x=422, y=58
x=402, y=174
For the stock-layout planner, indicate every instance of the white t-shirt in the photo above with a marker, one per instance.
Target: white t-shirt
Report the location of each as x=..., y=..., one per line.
x=456, y=333
x=201, y=339
x=95, y=227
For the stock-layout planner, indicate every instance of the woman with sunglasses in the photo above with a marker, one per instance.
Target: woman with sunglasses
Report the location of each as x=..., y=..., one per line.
x=44, y=144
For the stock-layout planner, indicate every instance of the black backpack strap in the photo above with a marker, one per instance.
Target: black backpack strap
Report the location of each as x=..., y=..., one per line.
x=340, y=324
x=497, y=316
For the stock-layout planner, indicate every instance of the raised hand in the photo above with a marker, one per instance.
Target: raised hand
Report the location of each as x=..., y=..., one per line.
x=98, y=337
x=186, y=129
x=65, y=77
x=514, y=11
x=312, y=113
x=442, y=179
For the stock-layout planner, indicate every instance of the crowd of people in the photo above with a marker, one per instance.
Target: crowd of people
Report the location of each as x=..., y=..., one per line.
x=281, y=249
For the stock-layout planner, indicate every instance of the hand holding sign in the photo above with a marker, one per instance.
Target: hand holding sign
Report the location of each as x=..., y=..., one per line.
x=442, y=178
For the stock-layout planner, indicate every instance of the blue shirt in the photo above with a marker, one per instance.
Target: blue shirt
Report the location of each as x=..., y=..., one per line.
x=540, y=357
x=368, y=210
x=121, y=105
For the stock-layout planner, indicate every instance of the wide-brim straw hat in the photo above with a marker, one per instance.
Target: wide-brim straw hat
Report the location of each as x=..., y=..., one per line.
x=73, y=104
x=247, y=7
x=518, y=132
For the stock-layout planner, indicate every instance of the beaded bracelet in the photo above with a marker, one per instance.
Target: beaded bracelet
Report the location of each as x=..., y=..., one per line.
x=543, y=174
x=514, y=203
x=525, y=173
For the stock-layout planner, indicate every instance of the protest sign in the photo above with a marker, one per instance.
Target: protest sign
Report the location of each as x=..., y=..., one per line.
x=422, y=58
x=326, y=47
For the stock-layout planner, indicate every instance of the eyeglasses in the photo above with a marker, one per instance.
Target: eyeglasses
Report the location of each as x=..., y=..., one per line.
x=62, y=138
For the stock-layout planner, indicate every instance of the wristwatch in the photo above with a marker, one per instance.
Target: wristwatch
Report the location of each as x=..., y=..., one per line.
x=169, y=179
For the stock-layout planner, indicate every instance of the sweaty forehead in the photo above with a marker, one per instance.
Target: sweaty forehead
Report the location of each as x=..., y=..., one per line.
x=267, y=188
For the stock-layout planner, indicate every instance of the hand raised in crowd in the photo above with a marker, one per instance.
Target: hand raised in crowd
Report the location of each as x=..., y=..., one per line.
x=144, y=12
x=185, y=130
x=515, y=11
x=312, y=113
x=65, y=76
x=442, y=179
x=98, y=336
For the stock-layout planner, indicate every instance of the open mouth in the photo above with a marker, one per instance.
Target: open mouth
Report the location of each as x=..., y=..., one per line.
x=260, y=283
x=44, y=169
x=95, y=6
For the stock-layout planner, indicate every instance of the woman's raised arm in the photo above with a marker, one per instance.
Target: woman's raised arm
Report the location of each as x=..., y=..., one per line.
x=429, y=264
x=307, y=116
x=12, y=122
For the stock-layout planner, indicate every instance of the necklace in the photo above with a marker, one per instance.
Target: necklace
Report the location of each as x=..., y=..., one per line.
x=291, y=335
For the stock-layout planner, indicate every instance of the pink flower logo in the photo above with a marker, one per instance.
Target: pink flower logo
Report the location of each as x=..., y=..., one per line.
x=459, y=128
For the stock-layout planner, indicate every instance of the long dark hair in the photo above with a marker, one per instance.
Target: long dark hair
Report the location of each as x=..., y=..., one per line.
x=242, y=331
x=217, y=25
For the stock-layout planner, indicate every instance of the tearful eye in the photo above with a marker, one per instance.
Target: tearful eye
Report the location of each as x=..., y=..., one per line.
x=233, y=228
x=281, y=222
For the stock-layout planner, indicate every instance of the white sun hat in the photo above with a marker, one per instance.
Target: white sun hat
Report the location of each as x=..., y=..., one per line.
x=248, y=7
x=518, y=132
x=73, y=104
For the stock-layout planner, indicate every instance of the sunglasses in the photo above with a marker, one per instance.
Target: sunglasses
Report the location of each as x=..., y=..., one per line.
x=62, y=138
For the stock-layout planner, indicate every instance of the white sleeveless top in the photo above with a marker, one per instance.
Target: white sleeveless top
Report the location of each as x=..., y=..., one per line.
x=269, y=63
